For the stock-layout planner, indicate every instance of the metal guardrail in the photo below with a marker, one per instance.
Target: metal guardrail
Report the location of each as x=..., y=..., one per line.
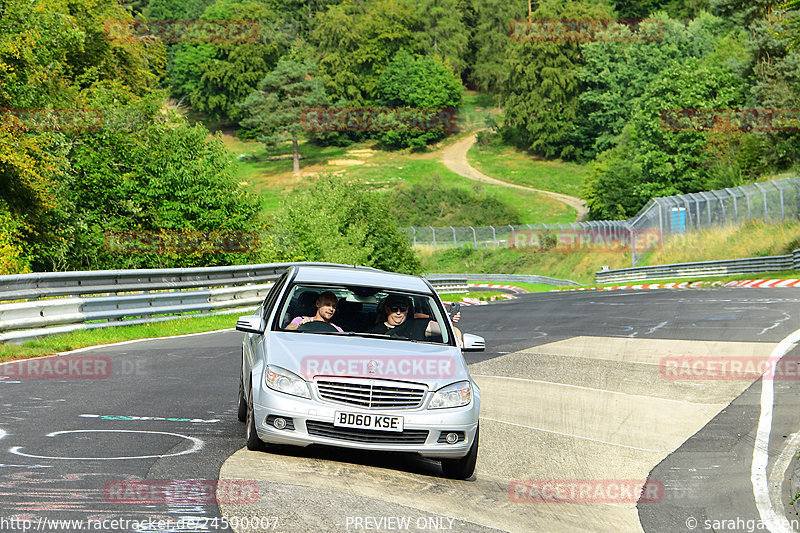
x=52, y=284
x=504, y=278
x=58, y=302
x=449, y=284
x=703, y=269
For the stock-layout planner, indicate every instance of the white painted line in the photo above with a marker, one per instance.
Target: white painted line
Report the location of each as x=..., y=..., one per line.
x=153, y=418
x=593, y=389
x=779, y=469
x=143, y=340
x=197, y=445
x=774, y=521
x=576, y=436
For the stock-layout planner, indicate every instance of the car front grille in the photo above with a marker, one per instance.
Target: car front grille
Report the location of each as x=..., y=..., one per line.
x=372, y=394
x=326, y=429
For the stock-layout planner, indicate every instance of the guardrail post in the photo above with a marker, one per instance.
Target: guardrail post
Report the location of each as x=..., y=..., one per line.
x=735, y=207
x=797, y=194
x=764, y=193
x=781, y=193
x=721, y=206
x=633, y=248
x=747, y=196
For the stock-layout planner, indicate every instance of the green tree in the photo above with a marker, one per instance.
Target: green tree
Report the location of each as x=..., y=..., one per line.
x=615, y=73
x=340, y=222
x=354, y=43
x=540, y=92
x=791, y=26
x=776, y=84
x=217, y=76
x=490, y=40
x=443, y=33
x=274, y=110
x=417, y=82
x=652, y=158
x=161, y=175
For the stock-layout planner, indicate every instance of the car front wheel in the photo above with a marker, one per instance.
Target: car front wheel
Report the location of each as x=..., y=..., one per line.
x=253, y=442
x=462, y=468
x=241, y=412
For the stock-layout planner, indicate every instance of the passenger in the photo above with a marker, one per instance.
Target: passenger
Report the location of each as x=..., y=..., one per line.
x=326, y=307
x=393, y=319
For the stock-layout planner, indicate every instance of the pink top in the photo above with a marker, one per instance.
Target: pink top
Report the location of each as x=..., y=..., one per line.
x=299, y=319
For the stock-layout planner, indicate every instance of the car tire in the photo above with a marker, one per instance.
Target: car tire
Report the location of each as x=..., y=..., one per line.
x=253, y=442
x=241, y=412
x=462, y=468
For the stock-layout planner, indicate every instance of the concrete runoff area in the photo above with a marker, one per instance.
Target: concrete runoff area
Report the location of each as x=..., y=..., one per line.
x=588, y=412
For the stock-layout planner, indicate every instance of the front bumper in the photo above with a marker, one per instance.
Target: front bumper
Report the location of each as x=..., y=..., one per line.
x=269, y=404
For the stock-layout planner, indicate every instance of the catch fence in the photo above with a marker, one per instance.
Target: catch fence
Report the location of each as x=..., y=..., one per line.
x=660, y=218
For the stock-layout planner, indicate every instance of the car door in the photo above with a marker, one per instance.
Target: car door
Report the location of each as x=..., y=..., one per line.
x=254, y=342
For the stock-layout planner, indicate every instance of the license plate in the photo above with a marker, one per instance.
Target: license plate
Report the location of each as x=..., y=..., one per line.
x=368, y=421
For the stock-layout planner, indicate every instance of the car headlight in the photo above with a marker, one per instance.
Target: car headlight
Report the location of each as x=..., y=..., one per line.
x=455, y=395
x=279, y=379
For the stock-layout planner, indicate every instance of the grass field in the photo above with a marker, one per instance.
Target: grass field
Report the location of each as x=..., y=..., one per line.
x=81, y=339
x=755, y=239
x=517, y=166
x=376, y=169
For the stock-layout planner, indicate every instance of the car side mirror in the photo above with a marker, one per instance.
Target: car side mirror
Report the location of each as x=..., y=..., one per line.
x=473, y=343
x=251, y=324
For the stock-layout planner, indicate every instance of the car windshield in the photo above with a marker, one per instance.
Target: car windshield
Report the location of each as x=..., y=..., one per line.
x=363, y=311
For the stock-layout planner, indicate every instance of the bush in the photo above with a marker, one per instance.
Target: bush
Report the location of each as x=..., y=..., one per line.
x=166, y=177
x=435, y=204
x=341, y=222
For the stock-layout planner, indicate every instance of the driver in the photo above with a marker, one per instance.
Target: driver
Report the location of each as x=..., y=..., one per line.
x=326, y=307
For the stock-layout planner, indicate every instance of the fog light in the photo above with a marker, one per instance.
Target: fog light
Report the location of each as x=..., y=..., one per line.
x=279, y=423
x=451, y=438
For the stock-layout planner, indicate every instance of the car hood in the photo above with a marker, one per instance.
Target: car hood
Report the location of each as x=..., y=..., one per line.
x=312, y=356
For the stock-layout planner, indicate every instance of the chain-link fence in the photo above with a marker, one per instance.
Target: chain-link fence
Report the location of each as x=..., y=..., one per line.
x=661, y=217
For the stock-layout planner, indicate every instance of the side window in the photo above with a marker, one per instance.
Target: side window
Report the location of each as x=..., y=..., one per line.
x=269, y=301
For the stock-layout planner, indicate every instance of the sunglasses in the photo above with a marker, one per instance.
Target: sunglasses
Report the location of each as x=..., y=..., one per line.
x=396, y=308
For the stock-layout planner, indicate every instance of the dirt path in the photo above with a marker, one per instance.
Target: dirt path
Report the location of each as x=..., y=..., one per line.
x=454, y=157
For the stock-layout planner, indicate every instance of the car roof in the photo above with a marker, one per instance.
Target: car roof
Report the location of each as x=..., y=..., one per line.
x=362, y=276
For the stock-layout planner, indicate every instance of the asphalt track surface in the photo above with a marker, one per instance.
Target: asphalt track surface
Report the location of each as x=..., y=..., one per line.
x=575, y=394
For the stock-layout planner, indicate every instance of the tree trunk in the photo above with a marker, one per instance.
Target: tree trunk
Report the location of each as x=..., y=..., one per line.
x=296, y=162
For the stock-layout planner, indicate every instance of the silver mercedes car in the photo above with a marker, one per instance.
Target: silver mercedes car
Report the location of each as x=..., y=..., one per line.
x=360, y=358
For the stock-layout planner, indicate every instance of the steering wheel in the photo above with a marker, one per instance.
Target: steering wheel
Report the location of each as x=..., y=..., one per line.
x=317, y=326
